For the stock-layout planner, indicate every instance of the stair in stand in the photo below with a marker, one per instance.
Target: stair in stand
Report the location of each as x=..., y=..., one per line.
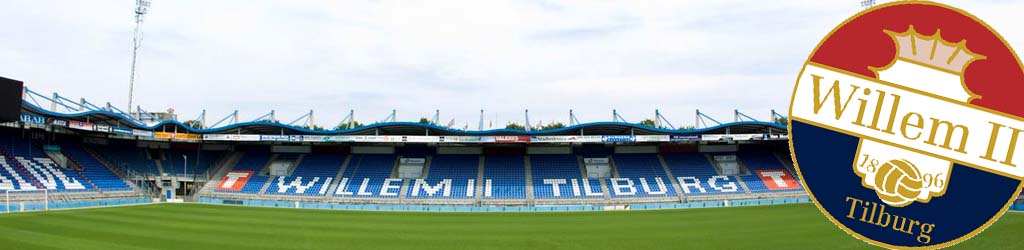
x=21, y=169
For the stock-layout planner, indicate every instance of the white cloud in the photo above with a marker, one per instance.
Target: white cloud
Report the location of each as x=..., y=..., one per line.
x=457, y=56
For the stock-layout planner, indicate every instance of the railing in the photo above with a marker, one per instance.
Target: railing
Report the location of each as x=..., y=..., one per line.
x=514, y=208
x=127, y=175
x=141, y=180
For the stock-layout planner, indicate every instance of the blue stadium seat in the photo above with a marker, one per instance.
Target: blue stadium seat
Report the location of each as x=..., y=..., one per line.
x=760, y=162
x=27, y=167
x=553, y=176
x=696, y=175
x=11, y=177
x=562, y=171
x=311, y=177
x=507, y=174
x=448, y=178
x=371, y=169
x=128, y=157
x=93, y=169
x=252, y=161
x=644, y=173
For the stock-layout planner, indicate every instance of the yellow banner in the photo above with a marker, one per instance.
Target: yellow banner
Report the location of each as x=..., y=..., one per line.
x=179, y=136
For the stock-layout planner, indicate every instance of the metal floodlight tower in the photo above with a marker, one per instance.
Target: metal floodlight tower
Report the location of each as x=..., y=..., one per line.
x=661, y=121
x=141, y=8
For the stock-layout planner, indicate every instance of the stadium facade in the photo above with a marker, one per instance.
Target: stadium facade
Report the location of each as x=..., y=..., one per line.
x=104, y=156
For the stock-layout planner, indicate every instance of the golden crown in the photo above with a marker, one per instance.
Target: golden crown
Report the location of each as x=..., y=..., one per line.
x=933, y=50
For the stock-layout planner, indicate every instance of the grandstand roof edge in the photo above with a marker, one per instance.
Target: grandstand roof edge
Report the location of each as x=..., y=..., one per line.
x=122, y=120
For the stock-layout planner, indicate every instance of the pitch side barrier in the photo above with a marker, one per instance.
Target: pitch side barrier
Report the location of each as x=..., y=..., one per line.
x=552, y=208
x=14, y=207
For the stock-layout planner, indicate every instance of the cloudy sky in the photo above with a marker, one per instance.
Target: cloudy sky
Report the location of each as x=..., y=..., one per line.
x=456, y=56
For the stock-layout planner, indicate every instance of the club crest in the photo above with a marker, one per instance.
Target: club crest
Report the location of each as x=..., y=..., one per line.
x=912, y=96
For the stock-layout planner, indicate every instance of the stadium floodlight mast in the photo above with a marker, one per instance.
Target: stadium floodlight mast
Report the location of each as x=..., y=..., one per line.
x=141, y=8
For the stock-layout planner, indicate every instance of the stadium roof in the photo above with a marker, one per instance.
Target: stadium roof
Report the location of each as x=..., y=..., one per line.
x=86, y=112
x=115, y=119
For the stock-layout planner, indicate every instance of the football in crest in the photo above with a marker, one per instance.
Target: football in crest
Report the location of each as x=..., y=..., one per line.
x=898, y=183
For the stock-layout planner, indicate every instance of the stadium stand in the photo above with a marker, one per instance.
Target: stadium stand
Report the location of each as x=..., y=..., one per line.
x=253, y=161
x=112, y=152
x=311, y=177
x=30, y=164
x=787, y=161
x=640, y=175
x=696, y=175
x=559, y=177
x=767, y=174
x=449, y=177
x=507, y=174
x=489, y=170
x=128, y=157
x=92, y=169
x=554, y=177
x=637, y=178
x=365, y=176
x=11, y=178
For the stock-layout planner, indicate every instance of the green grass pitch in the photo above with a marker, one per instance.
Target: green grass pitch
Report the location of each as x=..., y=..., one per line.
x=195, y=226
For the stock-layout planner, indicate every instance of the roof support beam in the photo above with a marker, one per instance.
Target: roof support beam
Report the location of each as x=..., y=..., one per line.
x=88, y=105
x=391, y=117
x=617, y=118
x=572, y=119
x=348, y=120
x=60, y=100
x=233, y=116
x=113, y=108
x=526, y=114
x=141, y=112
x=201, y=119
x=266, y=117
x=307, y=116
x=703, y=118
x=481, y=126
x=739, y=116
x=26, y=92
x=53, y=102
x=660, y=121
x=778, y=118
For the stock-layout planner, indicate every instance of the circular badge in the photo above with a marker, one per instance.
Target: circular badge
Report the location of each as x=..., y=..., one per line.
x=906, y=128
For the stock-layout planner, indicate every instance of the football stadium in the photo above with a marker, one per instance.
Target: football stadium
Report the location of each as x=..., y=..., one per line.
x=77, y=174
x=393, y=184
